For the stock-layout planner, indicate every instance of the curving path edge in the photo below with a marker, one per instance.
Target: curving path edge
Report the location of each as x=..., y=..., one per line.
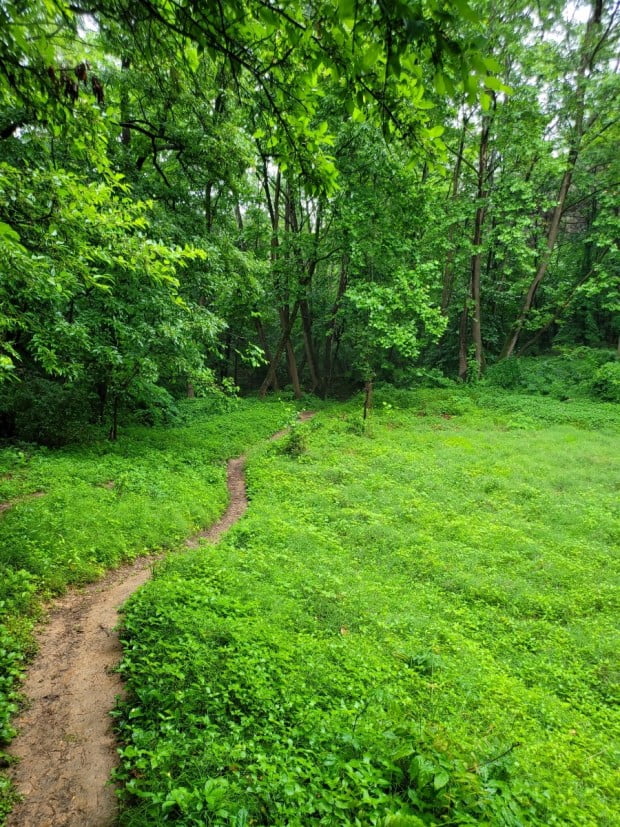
x=66, y=746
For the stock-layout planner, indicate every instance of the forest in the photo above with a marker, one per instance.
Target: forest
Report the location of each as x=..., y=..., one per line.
x=297, y=196
x=399, y=218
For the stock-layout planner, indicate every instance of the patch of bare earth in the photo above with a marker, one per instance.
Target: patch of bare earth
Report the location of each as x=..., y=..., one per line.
x=237, y=505
x=66, y=746
x=35, y=495
x=302, y=416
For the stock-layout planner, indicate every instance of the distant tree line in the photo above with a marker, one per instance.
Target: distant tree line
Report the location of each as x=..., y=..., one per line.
x=308, y=194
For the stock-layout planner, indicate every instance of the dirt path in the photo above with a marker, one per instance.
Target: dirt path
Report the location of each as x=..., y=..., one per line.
x=237, y=505
x=66, y=745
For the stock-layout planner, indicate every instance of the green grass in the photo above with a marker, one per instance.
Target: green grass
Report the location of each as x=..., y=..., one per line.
x=167, y=483
x=413, y=624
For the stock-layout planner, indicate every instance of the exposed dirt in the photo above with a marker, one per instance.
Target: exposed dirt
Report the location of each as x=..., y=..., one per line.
x=237, y=505
x=66, y=745
x=302, y=416
x=5, y=506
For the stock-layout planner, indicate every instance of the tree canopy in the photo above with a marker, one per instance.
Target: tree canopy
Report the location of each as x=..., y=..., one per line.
x=197, y=196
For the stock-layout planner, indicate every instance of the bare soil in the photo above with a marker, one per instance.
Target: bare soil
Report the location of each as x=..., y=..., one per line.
x=237, y=505
x=66, y=746
x=6, y=505
x=302, y=416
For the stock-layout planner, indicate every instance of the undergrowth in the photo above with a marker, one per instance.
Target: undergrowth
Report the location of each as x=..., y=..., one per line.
x=573, y=372
x=414, y=624
x=80, y=510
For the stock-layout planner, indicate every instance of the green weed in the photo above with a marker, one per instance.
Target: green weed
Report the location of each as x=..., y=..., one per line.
x=417, y=628
x=103, y=503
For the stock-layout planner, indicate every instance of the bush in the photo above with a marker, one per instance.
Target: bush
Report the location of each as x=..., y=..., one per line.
x=506, y=374
x=567, y=374
x=417, y=377
x=45, y=411
x=295, y=443
x=606, y=382
x=152, y=405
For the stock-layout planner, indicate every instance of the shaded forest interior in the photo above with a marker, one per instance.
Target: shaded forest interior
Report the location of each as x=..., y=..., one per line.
x=303, y=196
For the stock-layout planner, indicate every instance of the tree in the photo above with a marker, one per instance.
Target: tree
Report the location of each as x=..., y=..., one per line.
x=592, y=49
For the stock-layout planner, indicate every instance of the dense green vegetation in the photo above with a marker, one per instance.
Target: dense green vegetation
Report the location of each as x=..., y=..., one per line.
x=311, y=197
x=417, y=619
x=104, y=503
x=312, y=193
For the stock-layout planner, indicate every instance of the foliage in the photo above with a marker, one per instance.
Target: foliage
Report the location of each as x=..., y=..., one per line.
x=78, y=511
x=398, y=191
x=294, y=443
x=185, y=199
x=572, y=372
x=415, y=626
x=606, y=382
x=506, y=374
x=103, y=298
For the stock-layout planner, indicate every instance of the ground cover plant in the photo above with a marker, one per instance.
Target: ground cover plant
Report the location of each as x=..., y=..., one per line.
x=414, y=624
x=78, y=511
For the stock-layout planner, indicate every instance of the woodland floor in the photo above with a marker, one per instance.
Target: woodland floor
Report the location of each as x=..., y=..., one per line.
x=66, y=747
x=436, y=583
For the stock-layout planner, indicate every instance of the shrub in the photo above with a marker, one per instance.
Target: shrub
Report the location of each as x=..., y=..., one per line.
x=567, y=374
x=506, y=374
x=606, y=382
x=294, y=443
x=45, y=411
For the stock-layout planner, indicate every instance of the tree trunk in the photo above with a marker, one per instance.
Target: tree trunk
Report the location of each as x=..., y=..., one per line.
x=476, y=260
x=552, y=234
x=209, y=206
x=328, y=363
x=292, y=369
x=226, y=363
x=287, y=325
x=265, y=346
x=306, y=324
x=102, y=393
x=463, y=340
x=124, y=103
x=279, y=351
x=367, y=398
x=588, y=54
x=448, y=270
x=113, y=433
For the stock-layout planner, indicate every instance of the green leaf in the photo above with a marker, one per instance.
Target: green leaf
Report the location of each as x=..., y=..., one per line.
x=440, y=780
x=493, y=65
x=371, y=55
x=346, y=9
x=496, y=85
x=7, y=232
x=440, y=83
x=466, y=11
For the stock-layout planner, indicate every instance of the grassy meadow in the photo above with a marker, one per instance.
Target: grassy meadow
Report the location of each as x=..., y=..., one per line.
x=414, y=624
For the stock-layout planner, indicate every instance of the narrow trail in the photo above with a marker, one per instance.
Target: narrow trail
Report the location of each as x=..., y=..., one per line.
x=66, y=747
